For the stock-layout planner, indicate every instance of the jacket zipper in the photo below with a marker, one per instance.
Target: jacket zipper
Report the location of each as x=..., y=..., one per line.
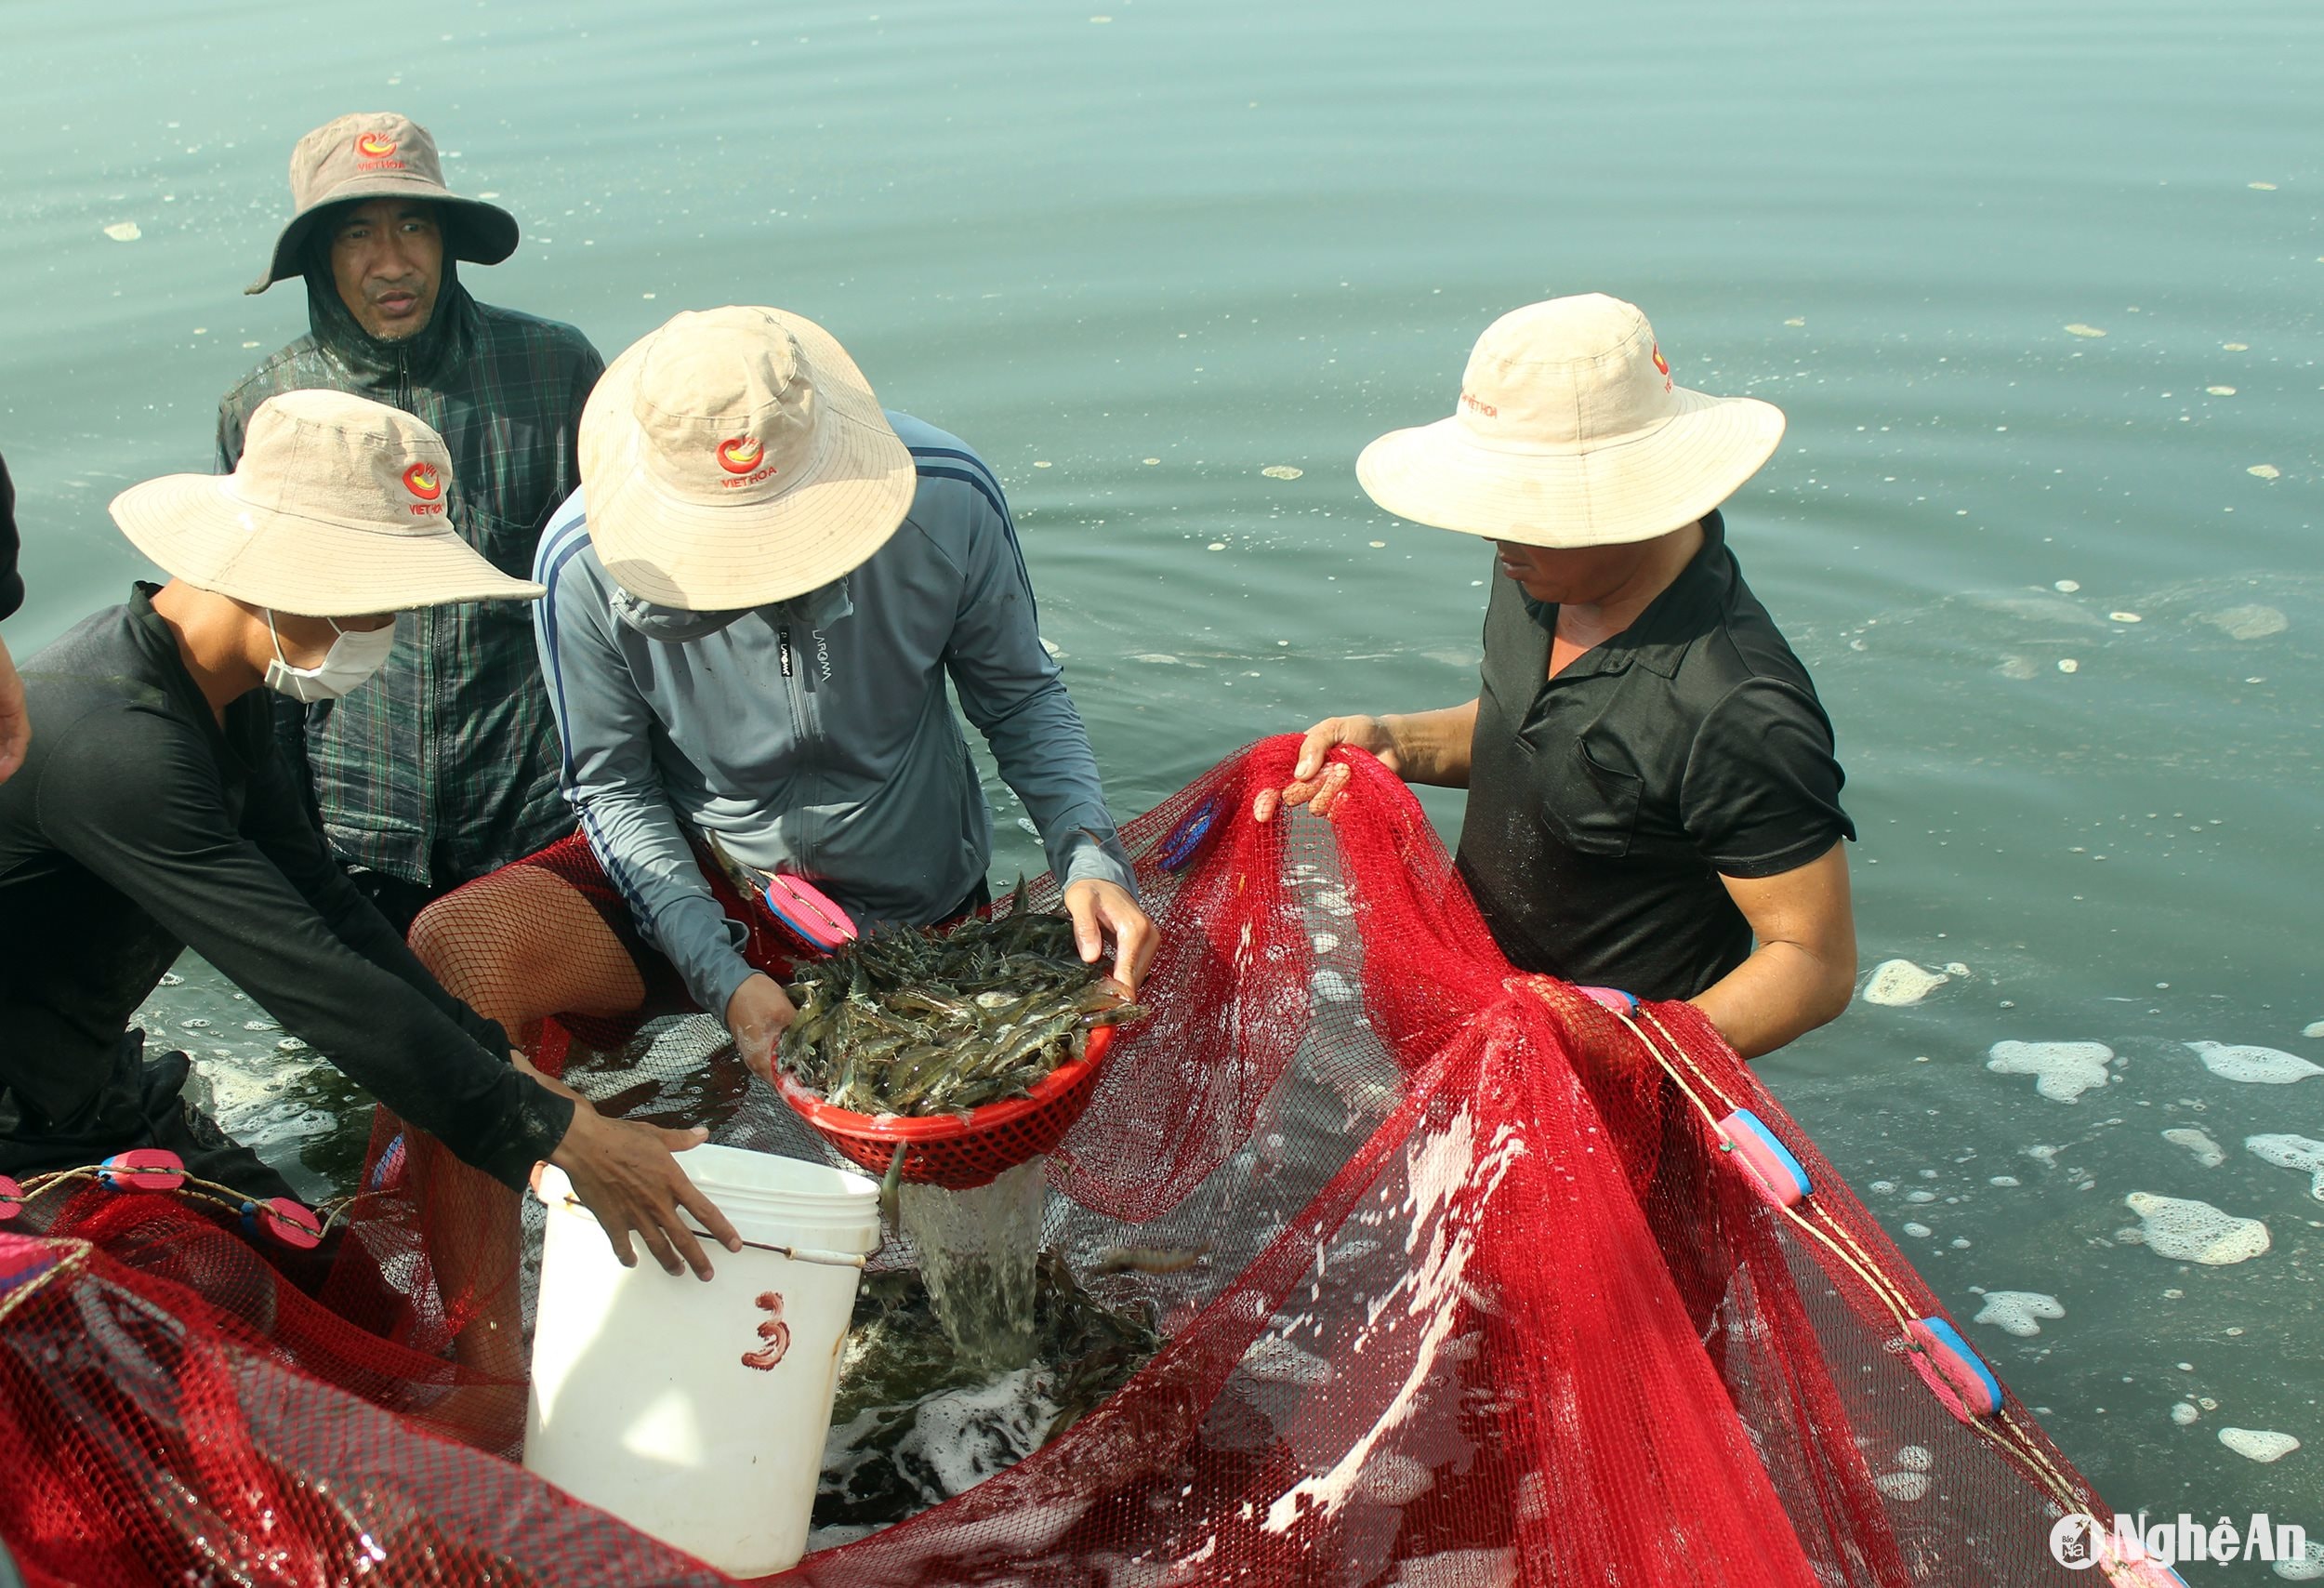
x=799, y=728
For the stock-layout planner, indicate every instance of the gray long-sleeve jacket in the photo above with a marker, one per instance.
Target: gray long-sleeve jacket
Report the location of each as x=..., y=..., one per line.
x=815, y=736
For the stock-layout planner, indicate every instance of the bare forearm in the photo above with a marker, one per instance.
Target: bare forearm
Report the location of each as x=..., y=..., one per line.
x=1783, y=991
x=1432, y=747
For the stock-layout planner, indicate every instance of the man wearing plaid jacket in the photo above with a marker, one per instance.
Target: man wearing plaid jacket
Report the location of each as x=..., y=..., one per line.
x=444, y=766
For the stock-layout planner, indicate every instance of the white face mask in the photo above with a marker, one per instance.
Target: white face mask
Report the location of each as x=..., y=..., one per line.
x=354, y=655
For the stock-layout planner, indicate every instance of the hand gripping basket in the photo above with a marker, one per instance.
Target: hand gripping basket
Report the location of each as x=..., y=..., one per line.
x=958, y=1151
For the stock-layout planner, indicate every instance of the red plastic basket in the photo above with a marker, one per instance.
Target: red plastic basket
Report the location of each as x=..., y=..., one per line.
x=958, y=1151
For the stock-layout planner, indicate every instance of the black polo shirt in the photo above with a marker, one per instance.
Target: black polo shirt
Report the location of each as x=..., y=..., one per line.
x=1604, y=803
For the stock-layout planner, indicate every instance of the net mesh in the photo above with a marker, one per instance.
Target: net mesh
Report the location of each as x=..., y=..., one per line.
x=1457, y=1283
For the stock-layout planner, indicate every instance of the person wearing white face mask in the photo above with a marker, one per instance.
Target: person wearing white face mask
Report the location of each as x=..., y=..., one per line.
x=156, y=811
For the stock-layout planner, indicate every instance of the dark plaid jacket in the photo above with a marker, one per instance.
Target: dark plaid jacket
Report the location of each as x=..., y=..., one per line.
x=445, y=764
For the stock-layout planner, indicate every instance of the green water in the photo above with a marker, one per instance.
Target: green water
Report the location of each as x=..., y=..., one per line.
x=1226, y=236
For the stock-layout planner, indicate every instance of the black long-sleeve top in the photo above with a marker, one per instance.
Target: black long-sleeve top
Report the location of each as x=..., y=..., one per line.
x=11, y=583
x=137, y=827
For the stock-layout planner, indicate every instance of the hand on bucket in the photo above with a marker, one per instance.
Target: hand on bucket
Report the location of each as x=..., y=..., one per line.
x=1099, y=908
x=623, y=1173
x=756, y=1013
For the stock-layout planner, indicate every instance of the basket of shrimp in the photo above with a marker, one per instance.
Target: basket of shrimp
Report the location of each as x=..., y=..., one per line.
x=970, y=1050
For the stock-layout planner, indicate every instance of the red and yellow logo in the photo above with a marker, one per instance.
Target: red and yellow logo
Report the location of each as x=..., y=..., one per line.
x=423, y=482
x=740, y=455
x=1662, y=367
x=374, y=145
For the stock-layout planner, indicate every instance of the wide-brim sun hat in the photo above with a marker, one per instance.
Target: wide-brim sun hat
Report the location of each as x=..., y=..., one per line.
x=736, y=457
x=338, y=509
x=380, y=155
x=1570, y=432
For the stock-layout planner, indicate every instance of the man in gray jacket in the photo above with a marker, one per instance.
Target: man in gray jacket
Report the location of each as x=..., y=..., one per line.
x=755, y=601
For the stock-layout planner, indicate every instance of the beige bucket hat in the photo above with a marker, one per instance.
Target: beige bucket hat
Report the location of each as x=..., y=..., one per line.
x=1570, y=432
x=737, y=456
x=380, y=155
x=336, y=509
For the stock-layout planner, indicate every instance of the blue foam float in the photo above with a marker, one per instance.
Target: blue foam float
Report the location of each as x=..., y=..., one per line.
x=1779, y=1175
x=1186, y=839
x=804, y=908
x=1962, y=1368
x=142, y=1168
x=1613, y=999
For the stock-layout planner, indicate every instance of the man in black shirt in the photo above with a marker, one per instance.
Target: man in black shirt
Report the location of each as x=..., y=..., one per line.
x=156, y=811
x=1653, y=797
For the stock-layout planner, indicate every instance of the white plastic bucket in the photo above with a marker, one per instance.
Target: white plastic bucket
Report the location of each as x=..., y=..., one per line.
x=696, y=1411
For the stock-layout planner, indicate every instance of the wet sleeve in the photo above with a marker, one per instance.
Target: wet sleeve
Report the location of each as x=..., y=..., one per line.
x=231, y=420
x=1015, y=691
x=11, y=583
x=136, y=799
x=611, y=781
x=275, y=817
x=1760, y=794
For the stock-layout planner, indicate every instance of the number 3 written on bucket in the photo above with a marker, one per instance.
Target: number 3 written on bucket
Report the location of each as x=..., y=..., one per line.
x=774, y=1332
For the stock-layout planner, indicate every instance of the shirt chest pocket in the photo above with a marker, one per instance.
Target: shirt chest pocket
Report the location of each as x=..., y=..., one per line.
x=1584, y=804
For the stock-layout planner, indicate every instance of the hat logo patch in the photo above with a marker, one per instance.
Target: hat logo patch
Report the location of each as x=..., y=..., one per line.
x=741, y=457
x=376, y=152
x=1662, y=367
x=423, y=482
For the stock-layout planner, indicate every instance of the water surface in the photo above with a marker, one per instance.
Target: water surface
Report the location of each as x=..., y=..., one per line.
x=1137, y=255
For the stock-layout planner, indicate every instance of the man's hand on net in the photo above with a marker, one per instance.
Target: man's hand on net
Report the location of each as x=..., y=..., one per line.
x=623, y=1173
x=1101, y=908
x=1321, y=787
x=756, y=1015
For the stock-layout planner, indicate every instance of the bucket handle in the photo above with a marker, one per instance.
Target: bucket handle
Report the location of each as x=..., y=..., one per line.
x=796, y=1253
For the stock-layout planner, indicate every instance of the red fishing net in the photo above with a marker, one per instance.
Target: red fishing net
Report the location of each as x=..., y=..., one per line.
x=1482, y=1297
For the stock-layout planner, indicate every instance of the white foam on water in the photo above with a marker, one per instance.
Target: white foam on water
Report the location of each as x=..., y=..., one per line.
x=1905, y=1486
x=1917, y=1231
x=2263, y=1066
x=1915, y=1458
x=2259, y=1444
x=2196, y=1232
x=2208, y=1153
x=1444, y=1162
x=1896, y=983
x=2291, y=1152
x=2313, y=1028
x=2185, y=1413
x=1273, y=1360
x=2250, y=622
x=2063, y=1070
x=1458, y=1569
x=1333, y=988
x=1394, y=1479
x=2006, y=1181
x=2308, y=1568
x=2016, y=1312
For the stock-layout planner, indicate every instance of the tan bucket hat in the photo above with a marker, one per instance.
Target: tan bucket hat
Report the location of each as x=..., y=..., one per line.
x=737, y=456
x=1569, y=432
x=336, y=509
x=380, y=155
